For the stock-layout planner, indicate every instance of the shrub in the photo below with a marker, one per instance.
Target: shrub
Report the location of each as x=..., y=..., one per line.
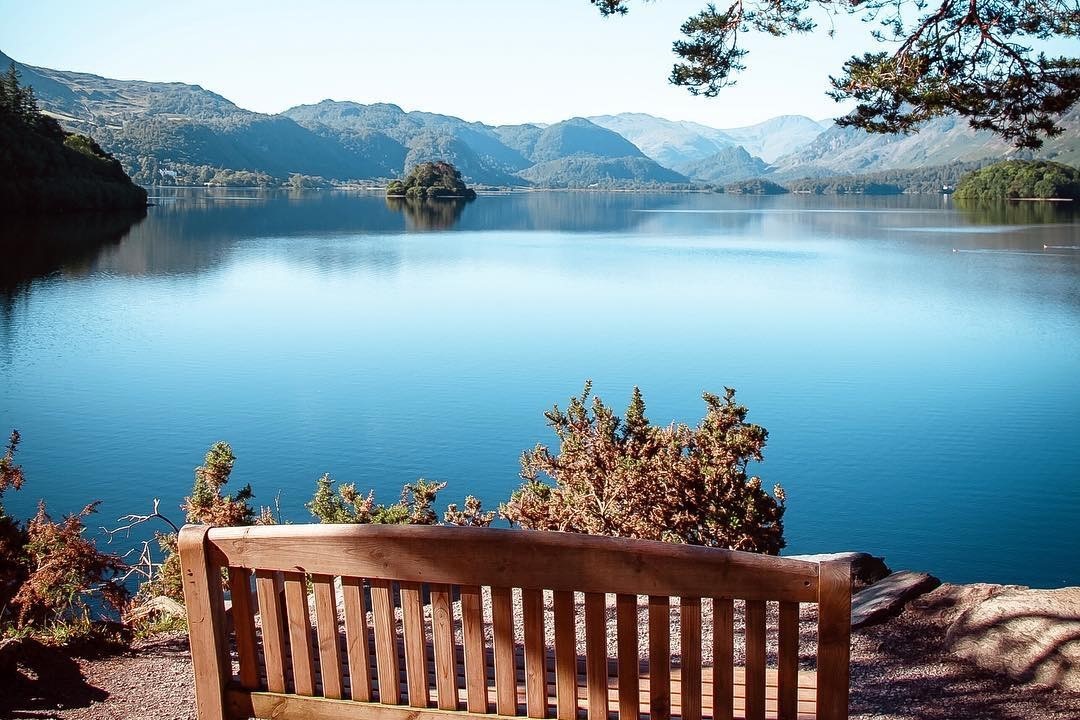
x=54, y=582
x=625, y=477
x=207, y=505
x=348, y=505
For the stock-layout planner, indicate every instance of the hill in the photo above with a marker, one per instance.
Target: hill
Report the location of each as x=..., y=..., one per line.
x=940, y=142
x=1021, y=179
x=44, y=168
x=730, y=164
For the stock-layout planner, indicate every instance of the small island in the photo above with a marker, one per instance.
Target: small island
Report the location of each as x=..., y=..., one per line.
x=755, y=186
x=1021, y=180
x=431, y=180
x=46, y=169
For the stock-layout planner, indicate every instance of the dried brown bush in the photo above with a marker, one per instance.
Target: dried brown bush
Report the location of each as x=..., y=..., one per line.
x=626, y=477
x=54, y=582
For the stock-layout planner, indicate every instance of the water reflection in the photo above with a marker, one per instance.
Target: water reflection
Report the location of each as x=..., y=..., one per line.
x=34, y=247
x=428, y=213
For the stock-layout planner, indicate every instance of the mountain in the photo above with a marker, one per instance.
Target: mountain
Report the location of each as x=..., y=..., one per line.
x=184, y=134
x=729, y=165
x=669, y=142
x=939, y=142
x=577, y=153
x=680, y=144
x=474, y=148
x=777, y=136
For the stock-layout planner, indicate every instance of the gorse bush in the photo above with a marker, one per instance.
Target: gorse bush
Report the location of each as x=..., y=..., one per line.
x=628, y=478
x=348, y=505
x=207, y=505
x=51, y=576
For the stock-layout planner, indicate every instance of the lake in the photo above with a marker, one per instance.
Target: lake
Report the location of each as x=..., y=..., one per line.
x=916, y=364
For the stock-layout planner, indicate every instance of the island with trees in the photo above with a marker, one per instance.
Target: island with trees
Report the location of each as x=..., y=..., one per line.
x=429, y=180
x=1027, y=179
x=48, y=169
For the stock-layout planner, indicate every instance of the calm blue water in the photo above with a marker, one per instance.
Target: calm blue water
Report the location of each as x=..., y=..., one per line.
x=916, y=365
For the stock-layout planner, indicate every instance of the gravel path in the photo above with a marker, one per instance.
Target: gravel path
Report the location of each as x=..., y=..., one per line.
x=899, y=672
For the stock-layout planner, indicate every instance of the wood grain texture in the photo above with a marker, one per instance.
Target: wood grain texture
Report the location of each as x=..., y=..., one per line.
x=788, y=661
x=723, y=658
x=690, y=660
x=326, y=629
x=502, y=628
x=356, y=638
x=204, y=600
x=834, y=640
x=412, y=617
x=536, y=693
x=472, y=633
x=565, y=655
x=243, y=613
x=626, y=632
x=659, y=658
x=273, y=628
x=442, y=635
x=755, y=660
x=299, y=623
x=516, y=558
x=596, y=663
x=386, y=654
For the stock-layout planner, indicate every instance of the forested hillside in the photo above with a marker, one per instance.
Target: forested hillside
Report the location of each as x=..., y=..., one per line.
x=44, y=168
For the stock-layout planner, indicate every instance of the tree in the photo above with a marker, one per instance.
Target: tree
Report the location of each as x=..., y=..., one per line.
x=971, y=58
x=628, y=478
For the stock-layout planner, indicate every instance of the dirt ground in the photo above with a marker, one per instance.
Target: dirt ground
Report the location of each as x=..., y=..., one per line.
x=899, y=671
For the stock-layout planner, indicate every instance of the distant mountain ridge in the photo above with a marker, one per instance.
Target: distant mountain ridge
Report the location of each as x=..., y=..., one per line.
x=179, y=133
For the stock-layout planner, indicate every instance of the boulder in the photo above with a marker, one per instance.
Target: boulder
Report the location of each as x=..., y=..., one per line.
x=887, y=597
x=159, y=606
x=1028, y=635
x=865, y=568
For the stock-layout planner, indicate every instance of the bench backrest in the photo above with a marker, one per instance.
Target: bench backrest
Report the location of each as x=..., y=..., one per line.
x=296, y=667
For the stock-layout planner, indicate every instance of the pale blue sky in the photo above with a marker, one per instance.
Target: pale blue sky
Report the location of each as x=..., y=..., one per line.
x=507, y=61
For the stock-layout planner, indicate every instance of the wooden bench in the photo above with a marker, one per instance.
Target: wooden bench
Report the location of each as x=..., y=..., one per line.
x=399, y=630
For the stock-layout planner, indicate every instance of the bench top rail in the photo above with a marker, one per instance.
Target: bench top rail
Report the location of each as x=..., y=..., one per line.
x=515, y=558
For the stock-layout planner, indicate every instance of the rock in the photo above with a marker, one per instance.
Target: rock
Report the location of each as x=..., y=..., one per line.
x=886, y=598
x=1027, y=635
x=160, y=606
x=866, y=569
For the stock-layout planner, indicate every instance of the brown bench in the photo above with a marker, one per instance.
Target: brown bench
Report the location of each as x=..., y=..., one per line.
x=435, y=653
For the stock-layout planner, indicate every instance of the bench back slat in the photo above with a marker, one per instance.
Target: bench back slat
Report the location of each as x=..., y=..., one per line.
x=412, y=616
x=502, y=627
x=516, y=558
x=326, y=627
x=269, y=587
x=442, y=635
x=565, y=655
x=596, y=665
x=659, y=657
x=788, y=661
x=472, y=631
x=244, y=626
x=755, y=660
x=690, y=657
x=299, y=625
x=386, y=651
x=626, y=631
x=536, y=692
x=723, y=658
x=357, y=648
